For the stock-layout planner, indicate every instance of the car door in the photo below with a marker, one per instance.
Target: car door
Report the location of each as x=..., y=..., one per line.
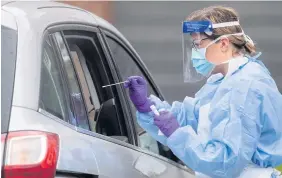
x=127, y=63
x=86, y=70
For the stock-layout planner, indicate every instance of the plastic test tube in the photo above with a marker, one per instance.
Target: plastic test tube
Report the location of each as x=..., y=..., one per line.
x=154, y=109
x=156, y=112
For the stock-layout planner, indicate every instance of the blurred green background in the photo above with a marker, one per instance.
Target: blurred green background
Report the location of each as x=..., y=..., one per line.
x=279, y=168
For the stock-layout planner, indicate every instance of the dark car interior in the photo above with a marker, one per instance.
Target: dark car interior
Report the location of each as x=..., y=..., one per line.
x=107, y=118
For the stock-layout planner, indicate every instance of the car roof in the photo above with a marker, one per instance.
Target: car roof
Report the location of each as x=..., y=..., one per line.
x=5, y=2
x=33, y=7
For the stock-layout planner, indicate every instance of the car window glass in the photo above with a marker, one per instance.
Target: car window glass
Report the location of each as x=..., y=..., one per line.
x=75, y=93
x=84, y=57
x=8, y=60
x=128, y=67
x=52, y=94
x=125, y=62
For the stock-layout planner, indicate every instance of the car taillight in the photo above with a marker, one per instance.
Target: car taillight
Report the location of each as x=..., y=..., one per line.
x=32, y=154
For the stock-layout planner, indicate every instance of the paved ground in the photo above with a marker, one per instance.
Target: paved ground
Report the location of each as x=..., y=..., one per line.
x=154, y=29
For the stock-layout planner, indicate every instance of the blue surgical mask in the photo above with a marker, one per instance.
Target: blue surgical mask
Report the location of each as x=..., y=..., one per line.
x=200, y=63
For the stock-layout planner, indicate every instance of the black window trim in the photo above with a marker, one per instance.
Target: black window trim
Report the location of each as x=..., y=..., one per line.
x=127, y=113
x=87, y=27
x=116, y=69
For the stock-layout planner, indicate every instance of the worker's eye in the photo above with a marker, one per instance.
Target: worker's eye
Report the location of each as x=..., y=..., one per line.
x=196, y=43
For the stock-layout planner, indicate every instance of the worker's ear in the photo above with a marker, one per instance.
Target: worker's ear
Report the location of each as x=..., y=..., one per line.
x=224, y=44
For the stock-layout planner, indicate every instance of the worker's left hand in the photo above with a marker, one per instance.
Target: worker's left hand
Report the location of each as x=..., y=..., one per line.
x=166, y=122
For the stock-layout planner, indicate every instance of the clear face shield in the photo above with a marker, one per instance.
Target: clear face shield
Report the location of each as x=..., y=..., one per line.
x=195, y=66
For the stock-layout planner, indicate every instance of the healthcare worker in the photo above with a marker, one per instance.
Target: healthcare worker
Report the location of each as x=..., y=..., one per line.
x=233, y=126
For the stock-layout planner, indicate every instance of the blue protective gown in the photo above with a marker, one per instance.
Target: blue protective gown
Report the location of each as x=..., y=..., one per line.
x=246, y=122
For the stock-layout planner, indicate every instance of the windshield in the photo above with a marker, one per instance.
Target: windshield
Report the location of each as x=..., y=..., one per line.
x=8, y=61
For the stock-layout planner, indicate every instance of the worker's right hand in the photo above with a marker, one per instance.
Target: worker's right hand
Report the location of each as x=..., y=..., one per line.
x=138, y=93
x=166, y=122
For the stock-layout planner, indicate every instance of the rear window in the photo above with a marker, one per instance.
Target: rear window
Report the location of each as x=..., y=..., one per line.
x=8, y=61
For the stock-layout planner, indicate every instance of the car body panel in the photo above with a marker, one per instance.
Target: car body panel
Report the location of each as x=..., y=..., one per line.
x=8, y=20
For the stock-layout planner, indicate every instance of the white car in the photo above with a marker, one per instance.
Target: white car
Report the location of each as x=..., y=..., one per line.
x=57, y=120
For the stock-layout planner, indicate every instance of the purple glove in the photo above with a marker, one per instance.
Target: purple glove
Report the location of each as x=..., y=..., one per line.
x=166, y=122
x=138, y=93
